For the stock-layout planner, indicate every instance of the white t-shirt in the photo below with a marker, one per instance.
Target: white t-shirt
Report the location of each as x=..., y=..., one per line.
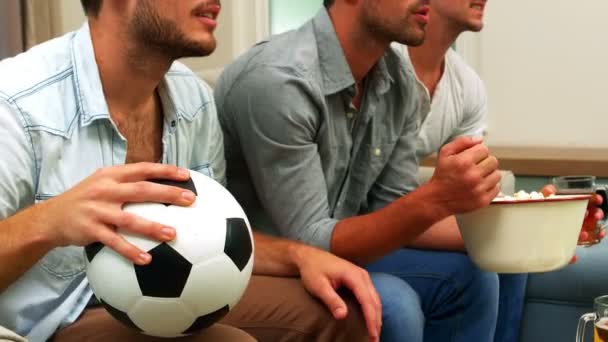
x=459, y=106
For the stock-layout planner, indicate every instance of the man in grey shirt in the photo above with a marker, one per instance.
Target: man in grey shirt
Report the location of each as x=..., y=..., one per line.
x=320, y=132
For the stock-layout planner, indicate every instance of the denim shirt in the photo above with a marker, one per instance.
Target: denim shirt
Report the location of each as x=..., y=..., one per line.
x=55, y=130
x=299, y=156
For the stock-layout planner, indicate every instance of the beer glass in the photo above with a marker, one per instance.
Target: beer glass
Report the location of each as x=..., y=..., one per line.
x=599, y=319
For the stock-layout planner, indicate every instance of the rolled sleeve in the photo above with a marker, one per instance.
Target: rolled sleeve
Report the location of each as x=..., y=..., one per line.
x=18, y=163
x=275, y=116
x=474, y=119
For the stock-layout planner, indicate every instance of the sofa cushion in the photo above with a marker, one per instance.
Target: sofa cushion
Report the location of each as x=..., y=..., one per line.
x=579, y=283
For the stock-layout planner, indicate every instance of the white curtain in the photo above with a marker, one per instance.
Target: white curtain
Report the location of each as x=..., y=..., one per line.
x=41, y=21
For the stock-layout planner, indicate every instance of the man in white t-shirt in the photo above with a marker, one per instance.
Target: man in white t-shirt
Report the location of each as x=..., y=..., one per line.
x=453, y=103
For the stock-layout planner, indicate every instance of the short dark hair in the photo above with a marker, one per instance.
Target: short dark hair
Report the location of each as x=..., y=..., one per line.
x=91, y=7
x=328, y=3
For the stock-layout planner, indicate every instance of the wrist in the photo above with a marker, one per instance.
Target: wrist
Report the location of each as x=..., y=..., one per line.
x=429, y=197
x=296, y=256
x=42, y=231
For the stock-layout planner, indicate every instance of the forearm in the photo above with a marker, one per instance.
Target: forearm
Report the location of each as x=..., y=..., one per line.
x=23, y=244
x=276, y=256
x=364, y=238
x=443, y=235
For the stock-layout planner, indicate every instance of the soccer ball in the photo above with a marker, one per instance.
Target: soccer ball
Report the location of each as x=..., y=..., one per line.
x=192, y=281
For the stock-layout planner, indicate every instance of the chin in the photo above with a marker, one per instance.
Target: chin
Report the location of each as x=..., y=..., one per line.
x=475, y=26
x=413, y=38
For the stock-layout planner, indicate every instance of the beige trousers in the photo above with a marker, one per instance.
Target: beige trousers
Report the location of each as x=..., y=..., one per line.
x=272, y=309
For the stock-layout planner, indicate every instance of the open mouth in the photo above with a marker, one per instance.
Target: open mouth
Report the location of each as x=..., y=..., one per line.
x=422, y=14
x=478, y=6
x=209, y=12
x=423, y=11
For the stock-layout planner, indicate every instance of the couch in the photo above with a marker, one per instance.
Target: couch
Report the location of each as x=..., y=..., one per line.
x=555, y=300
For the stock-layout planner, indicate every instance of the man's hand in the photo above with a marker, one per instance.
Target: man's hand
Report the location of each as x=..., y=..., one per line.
x=91, y=210
x=467, y=175
x=323, y=273
x=592, y=215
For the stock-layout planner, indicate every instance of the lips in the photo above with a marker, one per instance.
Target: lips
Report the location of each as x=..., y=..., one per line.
x=207, y=14
x=478, y=6
x=423, y=10
x=422, y=14
x=207, y=11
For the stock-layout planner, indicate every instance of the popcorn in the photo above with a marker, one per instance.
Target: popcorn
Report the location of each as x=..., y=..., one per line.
x=522, y=195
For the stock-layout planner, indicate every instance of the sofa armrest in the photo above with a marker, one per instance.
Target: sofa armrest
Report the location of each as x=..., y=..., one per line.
x=507, y=182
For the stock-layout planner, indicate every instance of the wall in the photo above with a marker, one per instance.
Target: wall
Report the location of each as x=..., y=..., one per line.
x=287, y=15
x=544, y=64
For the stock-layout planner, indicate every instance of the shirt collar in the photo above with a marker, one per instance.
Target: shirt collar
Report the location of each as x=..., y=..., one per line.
x=335, y=69
x=89, y=91
x=336, y=72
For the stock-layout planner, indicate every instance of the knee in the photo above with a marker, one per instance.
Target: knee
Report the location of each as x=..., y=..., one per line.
x=473, y=279
x=484, y=286
x=485, y=283
x=401, y=306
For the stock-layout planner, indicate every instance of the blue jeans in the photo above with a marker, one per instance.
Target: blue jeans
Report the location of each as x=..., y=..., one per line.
x=452, y=299
x=510, y=307
x=402, y=316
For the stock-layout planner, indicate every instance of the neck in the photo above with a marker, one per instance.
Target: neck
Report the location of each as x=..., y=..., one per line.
x=361, y=49
x=428, y=58
x=129, y=74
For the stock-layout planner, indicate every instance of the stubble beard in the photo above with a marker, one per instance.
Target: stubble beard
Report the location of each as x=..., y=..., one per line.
x=402, y=32
x=163, y=37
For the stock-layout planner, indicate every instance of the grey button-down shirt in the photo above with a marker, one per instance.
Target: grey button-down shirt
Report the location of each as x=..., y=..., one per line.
x=300, y=157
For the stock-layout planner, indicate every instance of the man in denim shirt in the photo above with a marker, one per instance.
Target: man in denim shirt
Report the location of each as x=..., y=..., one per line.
x=73, y=112
x=320, y=125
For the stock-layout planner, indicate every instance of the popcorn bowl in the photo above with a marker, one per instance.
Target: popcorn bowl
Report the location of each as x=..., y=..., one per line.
x=524, y=235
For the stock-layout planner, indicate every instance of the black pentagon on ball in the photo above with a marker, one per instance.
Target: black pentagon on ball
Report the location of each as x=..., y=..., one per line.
x=238, y=246
x=207, y=320
x=186, y=185
x=120, y=315
x=91, y=250
x=166, y=275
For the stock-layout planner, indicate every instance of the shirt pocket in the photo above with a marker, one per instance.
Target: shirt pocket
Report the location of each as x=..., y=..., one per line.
x=371, y=161
x=365, y=170
x=62, y=262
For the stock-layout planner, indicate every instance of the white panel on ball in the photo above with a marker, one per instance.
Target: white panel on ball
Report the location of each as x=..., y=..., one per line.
x=163, y=317
x=218, y=277
x=154, y=212
x=113, y=279
x=202, y=232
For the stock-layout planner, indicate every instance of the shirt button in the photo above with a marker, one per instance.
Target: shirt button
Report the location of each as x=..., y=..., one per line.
x=350, y=115
x=377, y=152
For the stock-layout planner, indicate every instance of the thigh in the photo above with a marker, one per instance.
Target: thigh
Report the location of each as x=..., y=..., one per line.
x=402, y=316
x=280, y=309
x=436, y=276
x=97, y=325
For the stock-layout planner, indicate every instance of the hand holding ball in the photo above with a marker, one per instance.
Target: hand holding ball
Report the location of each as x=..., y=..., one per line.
x=192, y=281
